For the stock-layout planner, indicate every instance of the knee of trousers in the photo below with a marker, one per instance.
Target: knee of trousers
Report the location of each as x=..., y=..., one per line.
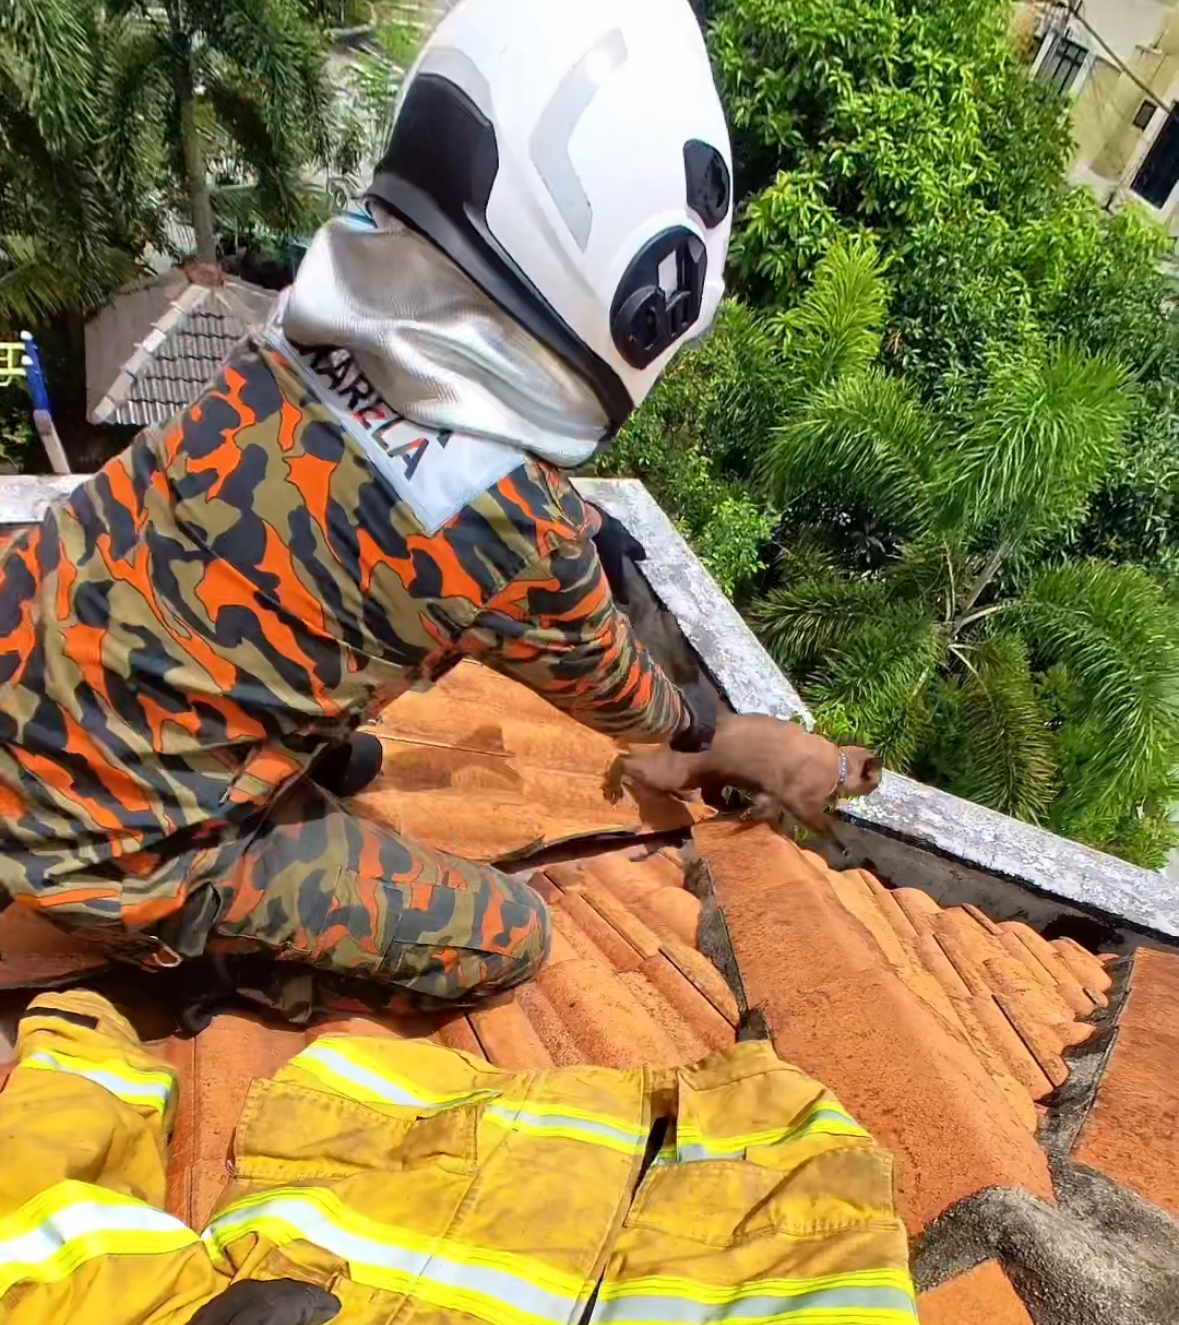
x=470, y=968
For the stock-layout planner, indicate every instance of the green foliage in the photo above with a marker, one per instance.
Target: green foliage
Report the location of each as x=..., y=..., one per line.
x=1116, y=637
x=76, y=197
x=91, y=134
x=698, y=433
x=878, y=114
x=18, y=437
x=991, y=739
x=864, y=440
x=1043, y=436
x=374, y=78
x=964, y=648
x=836, y=328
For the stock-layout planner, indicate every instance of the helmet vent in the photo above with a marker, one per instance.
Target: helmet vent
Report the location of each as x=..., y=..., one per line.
x=708, y=182
x=659, y=297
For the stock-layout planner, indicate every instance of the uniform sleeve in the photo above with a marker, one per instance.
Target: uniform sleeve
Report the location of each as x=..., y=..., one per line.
x=557, y=630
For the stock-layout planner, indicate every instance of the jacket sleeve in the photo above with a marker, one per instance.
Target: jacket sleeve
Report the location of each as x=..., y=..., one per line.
x=84, y=1118
x=557, y=629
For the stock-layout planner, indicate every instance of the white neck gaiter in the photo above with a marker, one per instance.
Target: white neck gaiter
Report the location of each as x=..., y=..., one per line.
x=436, y=348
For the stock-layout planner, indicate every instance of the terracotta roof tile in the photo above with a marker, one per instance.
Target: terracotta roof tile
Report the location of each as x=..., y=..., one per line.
x=937, y=1028
x=921, y=1051
x=690, y=1006
x=1132, y=1133
x=984, y=1296
x=1088, y=969
x=1047, y=956
x=506, y=1036
x=35, y=954
x=607, y=942
x=481, y=767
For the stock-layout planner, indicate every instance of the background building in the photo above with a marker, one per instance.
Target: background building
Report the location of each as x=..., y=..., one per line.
x=1118, y=60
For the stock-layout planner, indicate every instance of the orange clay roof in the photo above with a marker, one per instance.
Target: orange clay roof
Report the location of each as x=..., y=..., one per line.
x=937, y=1029
x=1132, y=1133
x=942, y=1031
x=483, y=768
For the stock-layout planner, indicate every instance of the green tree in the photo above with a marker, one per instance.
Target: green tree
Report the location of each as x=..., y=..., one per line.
x=917, y=123
x=893, y=115
x=695, y=441
x=77, y=202
x=239, y=86
x=100, y=141
x=926, y=607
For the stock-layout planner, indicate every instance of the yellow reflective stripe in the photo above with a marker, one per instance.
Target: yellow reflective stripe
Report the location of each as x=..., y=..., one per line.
x=824, y=1119
x=667, y=1155
x=569, y=1123
x=499, y=1287
x=132, y=1085
x=861, y=1297
x=338, y=1065
x=71, y=1223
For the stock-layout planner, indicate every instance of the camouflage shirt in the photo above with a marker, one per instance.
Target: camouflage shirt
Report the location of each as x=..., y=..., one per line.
x=184, y=634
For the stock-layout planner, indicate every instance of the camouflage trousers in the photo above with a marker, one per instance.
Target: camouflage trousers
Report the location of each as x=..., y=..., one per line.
x=320, y=885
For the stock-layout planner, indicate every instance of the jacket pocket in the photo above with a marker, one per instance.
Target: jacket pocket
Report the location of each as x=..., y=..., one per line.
x=723, y=1202
x=290, y=1134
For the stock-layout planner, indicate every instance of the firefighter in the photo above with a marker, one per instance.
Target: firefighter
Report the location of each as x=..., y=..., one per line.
x=372, y=489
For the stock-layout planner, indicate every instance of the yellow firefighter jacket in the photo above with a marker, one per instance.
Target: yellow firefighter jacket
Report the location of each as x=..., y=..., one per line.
x=421, y=1185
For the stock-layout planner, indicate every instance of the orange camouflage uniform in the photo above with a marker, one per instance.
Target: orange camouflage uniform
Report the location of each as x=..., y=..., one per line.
x=220, y=604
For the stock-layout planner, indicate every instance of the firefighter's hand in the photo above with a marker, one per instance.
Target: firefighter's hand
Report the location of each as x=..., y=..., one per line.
x=269, y=1302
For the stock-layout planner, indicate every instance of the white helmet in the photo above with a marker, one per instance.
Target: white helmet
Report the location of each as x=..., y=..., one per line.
x=573, y=160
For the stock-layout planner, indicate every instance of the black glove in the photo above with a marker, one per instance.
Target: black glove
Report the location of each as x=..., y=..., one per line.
x=616, y=544
x=700, y=700
x=269, y=1302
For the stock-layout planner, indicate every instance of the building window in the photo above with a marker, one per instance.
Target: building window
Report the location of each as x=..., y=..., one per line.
x=1145, y=114
x=1159, y=172
x=1062, y=63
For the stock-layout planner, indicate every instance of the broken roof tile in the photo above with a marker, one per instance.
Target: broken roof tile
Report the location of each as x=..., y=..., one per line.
x=481, y=767
x=983, y=1296
x=1132, y=1132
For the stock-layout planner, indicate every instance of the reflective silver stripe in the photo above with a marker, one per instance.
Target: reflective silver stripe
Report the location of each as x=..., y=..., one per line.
x=823, y=1122
x=383, y=1256
x=376, y=1085
x=554, y=131
x=53, y=1234
x=342, y=1072
x=596, y=1131
x=126, y=1083
x=831, y=1306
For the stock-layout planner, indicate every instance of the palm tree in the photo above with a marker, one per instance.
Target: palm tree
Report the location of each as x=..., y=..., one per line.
x=77, y=203
x=926, y=606
x=238, y=84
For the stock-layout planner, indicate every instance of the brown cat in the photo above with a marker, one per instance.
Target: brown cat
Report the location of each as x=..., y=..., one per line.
x=783, y=765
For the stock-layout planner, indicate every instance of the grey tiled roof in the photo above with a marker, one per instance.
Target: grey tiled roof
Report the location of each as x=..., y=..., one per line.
x=181, y=353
